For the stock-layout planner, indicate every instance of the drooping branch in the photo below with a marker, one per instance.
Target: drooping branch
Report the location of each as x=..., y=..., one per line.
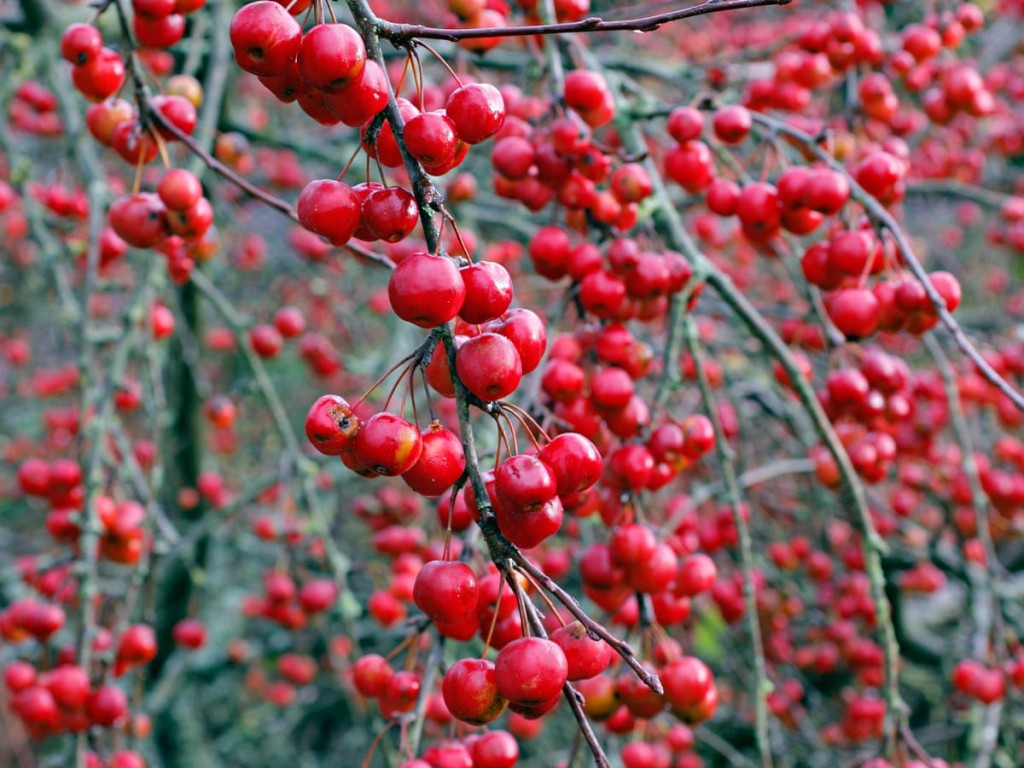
x=403, y=32
x=670, y=226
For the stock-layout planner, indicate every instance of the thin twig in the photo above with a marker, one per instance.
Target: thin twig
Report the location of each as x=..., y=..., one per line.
x=402, y=32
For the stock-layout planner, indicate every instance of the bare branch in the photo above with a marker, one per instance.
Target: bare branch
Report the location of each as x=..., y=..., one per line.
x=404, y=32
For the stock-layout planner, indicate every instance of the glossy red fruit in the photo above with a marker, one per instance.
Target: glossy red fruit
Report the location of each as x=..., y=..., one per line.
x=686, y=682
x=489, y=366
x=107, y=706
x=721, y=197
x=438, y=372
x=289, y=322
x=386, y=147
x=585, y=90
x=575, y=462
x=430, y=138
x=69, y=685
x=402, y=692
x=426, y=290
x=331, y=56
x=193, y=223
x=488, y=291
x=34, y=477
x=35, y=705
x=526, y=527
x=19, y=675
x=525, y=329
x=585, y=656
x=697, y=574
x=137, y=646
x=154, y=9
x=329, y=208
x=159, y=33
x=524, y=481
x=102, y=119
x=855, y=312
x=331, y=425
x=441, y=463
x=495, y=749
x=371, y=675
x=685, y=124
x=446, y=591
x=611, y=389
x=690, y=165
x=101, y=76
x=477, y=110
x=80, y=43
x=633, y=544
x=318, y=595
x=140, y=220
x=825, y=191
x=179, y=189
x=549, y=252
x=631, y=183
x=759, y=210
x=948, y=287
x=531, y=671
x=362, y=99
x=178, y=111
x=388, y=444
x=470, y=691
x=512, y=157
x=265, y=37
x=390, y=213
x=731, y=124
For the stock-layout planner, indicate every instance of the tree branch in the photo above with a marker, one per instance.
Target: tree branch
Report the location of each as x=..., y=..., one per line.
x=400, y=33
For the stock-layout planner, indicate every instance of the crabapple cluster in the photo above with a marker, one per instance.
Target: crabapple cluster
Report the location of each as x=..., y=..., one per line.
x=33, y=109
x=561, y=161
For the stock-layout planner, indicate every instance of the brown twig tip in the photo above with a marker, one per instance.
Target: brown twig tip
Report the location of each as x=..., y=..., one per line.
x=404, y=32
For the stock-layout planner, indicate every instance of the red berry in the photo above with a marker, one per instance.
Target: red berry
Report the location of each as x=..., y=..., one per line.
x=80, y=43
x=531, y=671
x=265, y=37
x=731, y=124
x=329, y=208
x=387, y=444
x=441, y=463
x=575, y=462
x=470, y=691
x=477, y=110
x=389, y=213
x=488, y=291
x=426, y=290
x=585, y=656
x=179, y=189
x=446, y=591
x=430, y=138
x=331, y=56
x=331, y=425
x=489, y=366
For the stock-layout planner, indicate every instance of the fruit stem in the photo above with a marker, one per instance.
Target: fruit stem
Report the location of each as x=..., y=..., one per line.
x=571, y=694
